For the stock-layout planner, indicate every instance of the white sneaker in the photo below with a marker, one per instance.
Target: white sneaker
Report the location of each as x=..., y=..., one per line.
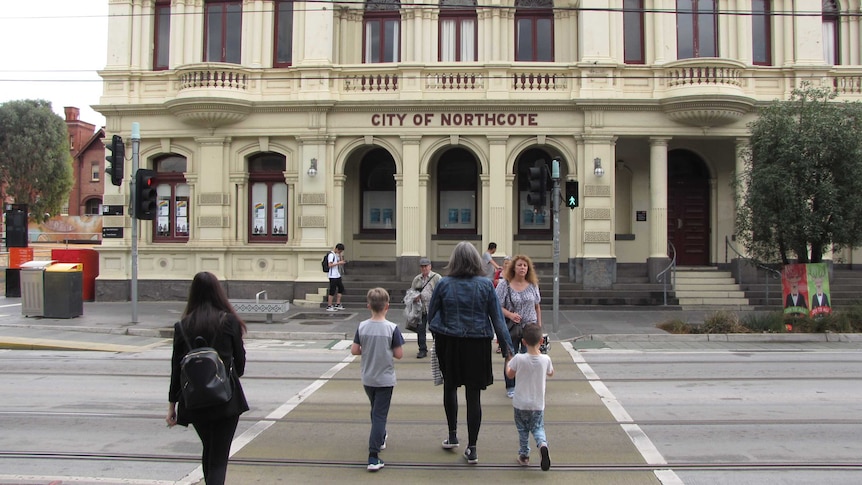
x=339, y=307
x=331, y=309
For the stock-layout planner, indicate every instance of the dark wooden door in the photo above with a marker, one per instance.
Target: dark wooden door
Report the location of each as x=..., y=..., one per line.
x=688, y=208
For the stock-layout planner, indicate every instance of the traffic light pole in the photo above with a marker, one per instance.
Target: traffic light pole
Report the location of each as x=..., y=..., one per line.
x=136, y=142
x=555, y=207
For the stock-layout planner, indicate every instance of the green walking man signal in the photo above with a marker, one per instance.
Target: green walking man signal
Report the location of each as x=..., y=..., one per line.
x=571, y=193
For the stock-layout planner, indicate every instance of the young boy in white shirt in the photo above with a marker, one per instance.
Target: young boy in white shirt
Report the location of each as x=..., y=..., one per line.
x=531, y=369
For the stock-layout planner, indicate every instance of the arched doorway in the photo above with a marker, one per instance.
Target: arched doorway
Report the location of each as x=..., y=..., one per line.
x=688, y=208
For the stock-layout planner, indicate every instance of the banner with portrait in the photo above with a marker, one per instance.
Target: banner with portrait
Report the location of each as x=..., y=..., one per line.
x=805, y=289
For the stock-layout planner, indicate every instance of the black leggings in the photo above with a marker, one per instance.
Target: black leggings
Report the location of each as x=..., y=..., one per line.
x=474, y=410
x=216, y=437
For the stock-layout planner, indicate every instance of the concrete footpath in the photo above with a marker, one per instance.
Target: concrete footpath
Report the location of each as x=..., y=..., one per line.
x=117, y=326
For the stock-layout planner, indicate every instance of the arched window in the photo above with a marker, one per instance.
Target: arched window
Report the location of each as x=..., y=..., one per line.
x=696, y=29
x=377, y=179
x=830, y=32
x=633, y=31
x=92, y=206
x=457, y=31
x=457, y=179
x=267, y=203
x=761, y=32
x=382, y=26
x=534, y=30
x=173, y=218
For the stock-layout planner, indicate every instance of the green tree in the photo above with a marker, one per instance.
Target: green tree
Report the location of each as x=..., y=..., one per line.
x=801, y=192
x=35, y=164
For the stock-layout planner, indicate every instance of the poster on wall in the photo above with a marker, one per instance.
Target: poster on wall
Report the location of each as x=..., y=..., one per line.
x=164, y=218
x=182, y=222
x=259, y=219
x=805, y=289
x=278, y=219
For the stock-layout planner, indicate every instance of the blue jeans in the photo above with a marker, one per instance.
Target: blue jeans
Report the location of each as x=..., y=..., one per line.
x=380, y=398
x=530, y=422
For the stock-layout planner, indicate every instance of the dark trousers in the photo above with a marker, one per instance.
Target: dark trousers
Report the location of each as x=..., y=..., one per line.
x=420, y=333
x=216, y=437
x=380, y=398
x=474, y=410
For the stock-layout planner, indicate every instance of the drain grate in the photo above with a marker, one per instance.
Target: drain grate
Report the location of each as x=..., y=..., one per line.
x=315, y=322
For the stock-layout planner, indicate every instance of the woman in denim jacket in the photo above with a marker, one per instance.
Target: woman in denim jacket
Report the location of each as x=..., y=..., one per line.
x=463, y=316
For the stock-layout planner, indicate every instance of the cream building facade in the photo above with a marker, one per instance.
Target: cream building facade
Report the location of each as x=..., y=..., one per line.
x=278, y=129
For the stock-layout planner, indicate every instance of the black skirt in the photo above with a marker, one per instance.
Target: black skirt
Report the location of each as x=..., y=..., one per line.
x=465, y=361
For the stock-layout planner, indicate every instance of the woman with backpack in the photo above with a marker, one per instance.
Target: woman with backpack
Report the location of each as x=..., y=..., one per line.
x=209, y=321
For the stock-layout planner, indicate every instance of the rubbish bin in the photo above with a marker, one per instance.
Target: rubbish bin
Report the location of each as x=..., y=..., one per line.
x=90, y=260
x=17, y=256
x=33, y=287
x=63, y=291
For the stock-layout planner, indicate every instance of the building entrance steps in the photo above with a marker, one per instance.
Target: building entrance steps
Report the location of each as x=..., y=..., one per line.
x=324, y=439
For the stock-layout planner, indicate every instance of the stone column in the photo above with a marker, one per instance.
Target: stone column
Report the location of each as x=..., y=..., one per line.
x=211, y=168
x=658, y=250
x=597, y=267
x=412, y=227
x=499, y=200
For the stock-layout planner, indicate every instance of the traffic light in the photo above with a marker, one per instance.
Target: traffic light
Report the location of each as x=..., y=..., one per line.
x=572, y=193
x=538, y=177
x=115, y=160
x=145, y=194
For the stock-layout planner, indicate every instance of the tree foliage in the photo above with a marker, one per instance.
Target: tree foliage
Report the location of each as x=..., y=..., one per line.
x=35, y=164
x=801, y=190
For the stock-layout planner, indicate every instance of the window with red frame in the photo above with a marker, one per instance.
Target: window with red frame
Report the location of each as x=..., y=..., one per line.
x=267, y=198
x=162, y=35
x=382, y=31
x=223, y=31
x=534, y=30
x=761, y=32
x=283, y=50
x=697, y=29
x=457, y=34
x=173, y=217
x=633, y=31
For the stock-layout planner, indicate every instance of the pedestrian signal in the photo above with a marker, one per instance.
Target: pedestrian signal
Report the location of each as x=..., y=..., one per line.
x=571, y=194
x=145, y=194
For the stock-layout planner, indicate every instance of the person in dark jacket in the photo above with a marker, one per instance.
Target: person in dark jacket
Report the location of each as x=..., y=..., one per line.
x=463, y=316
x=209, y=314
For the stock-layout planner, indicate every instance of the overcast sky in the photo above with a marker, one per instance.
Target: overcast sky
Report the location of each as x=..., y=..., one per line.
x=52, y=50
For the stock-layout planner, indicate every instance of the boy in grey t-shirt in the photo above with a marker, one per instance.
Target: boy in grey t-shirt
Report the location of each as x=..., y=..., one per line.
x=379, y=342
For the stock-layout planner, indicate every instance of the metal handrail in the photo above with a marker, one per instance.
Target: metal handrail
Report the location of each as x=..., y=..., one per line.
x=770, y=272
x=670, y=267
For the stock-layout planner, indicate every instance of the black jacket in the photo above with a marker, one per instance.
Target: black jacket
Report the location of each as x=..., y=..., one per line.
x=230, y=347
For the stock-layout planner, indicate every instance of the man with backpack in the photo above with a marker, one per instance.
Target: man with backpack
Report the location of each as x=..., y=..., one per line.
x=336, y=287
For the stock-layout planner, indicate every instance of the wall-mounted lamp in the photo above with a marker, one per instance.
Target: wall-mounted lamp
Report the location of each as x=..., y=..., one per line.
x=598, y=170
x=312, y=170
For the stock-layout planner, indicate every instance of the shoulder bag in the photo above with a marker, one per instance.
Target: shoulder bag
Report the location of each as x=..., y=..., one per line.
x=515, y=329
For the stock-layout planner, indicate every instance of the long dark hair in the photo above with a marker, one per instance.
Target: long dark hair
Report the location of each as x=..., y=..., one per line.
x=206, y=304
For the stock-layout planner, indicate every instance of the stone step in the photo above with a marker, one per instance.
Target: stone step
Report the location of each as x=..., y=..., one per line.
x=715, y=293
x=712, y=301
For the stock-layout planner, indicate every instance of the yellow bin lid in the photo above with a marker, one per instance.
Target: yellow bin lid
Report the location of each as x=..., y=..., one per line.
x=64, y=267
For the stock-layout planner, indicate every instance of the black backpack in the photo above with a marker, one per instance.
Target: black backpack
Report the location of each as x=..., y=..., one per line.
x=204, y=379
x=325, y=262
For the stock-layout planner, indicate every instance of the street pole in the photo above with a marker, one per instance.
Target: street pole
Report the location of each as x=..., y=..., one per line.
x=555, y=207
x=136, y=142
